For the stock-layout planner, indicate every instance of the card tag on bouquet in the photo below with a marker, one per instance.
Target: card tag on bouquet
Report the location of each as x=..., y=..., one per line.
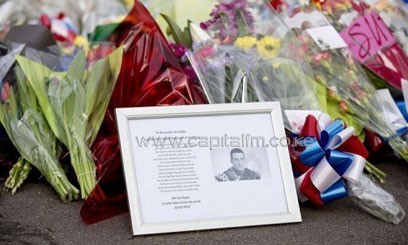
x=366, y=36
x=304, y=20
x=326, y=37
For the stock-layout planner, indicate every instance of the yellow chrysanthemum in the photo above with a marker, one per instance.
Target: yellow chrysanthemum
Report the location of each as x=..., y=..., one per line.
x=82, y=43
x=268, y=47
x=245, y=43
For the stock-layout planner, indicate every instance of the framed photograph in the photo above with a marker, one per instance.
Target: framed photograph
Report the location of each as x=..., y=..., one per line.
x=206, y=167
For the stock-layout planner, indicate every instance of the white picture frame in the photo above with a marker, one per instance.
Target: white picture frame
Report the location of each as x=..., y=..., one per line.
x=149, y=216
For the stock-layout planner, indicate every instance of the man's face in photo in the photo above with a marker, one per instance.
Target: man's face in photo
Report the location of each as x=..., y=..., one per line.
x=238, y=161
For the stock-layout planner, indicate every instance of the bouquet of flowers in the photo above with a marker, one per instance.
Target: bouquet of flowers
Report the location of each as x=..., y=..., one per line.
x=369, y=39
x=27, y=128
x=393, y=15
x=335, y=69
x=150, y=76
x=331, y=168
x=229, y=89
x=249, y=56
x=84, y=16
x=228, y=75
x=74, y=102
x=8, y=53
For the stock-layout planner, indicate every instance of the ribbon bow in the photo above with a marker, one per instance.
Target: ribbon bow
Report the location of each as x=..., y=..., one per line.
x=61, y=27
x=332, y=154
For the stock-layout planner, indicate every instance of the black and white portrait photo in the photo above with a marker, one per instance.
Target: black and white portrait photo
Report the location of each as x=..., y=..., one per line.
x=239, y=164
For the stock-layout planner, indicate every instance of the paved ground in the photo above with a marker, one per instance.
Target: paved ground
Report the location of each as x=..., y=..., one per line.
x=36, y=216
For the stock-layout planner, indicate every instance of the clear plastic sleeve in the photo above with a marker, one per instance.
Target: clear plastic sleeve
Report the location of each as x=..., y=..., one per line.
x=249, y=57
x=383, y=54
x=391, y=11
x=6, y=63
x=73, y=100
x=85, y=14
x=344, y=78
x=375, y=200
x=27, y=128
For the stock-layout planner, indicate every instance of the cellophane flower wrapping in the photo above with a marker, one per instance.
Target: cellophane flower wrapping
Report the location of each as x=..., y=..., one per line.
x=74, y=101
x=7, y=77
x=8, y=53
x=84, y=14
x=394, y=16
x=326, y=65
x=180, y=11
x=150, y=76
x=27, y=127
x=375, y=200
x=249, y=56
x=369, y=39
x=346, y=82
x=308, y=177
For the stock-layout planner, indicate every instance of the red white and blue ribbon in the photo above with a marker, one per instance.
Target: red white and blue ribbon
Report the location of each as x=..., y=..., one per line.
x=331, y=154
x=61, y=27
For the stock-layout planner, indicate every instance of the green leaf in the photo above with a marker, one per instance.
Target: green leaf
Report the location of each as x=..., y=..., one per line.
x=77, y=68
x=102, y=32
x=187, y=35
x=100, y=85
x=74, y=104
x=36, y=76
x=176, y=32
x=26, y=95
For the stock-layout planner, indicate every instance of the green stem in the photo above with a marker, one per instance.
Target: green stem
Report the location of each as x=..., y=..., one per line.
x=18, y=174
x=55, y=175
x=84, y=167
x=375, y=172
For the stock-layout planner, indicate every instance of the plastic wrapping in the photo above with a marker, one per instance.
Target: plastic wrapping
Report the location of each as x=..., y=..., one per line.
x=391, y=11
x=8, y=55
x=74, y=102
x=6, y=63
x=375, y=200
x=100, y=12
x=30, y=133
x=150, y=76
x=327, y=66
x=382, y=54
x=249, y=57
x=307, y=167
x=85, y=14
x=335, y=68
x=37, y=37
x=180, y=11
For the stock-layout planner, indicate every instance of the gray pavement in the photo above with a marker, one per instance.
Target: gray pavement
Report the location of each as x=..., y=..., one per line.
x=36, y=216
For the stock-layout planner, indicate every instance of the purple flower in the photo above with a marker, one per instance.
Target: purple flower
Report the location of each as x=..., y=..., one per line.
x=178, y=50
x=229, y=20
x=190, y=72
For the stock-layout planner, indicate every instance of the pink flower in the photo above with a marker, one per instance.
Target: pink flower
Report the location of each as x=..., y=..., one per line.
x=5, y=92
x=324, y=56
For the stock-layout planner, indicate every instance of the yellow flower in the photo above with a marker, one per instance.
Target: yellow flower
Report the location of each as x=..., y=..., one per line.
x=82, y=42
x=268, y=47
x=245, y=43
x=128, y=3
